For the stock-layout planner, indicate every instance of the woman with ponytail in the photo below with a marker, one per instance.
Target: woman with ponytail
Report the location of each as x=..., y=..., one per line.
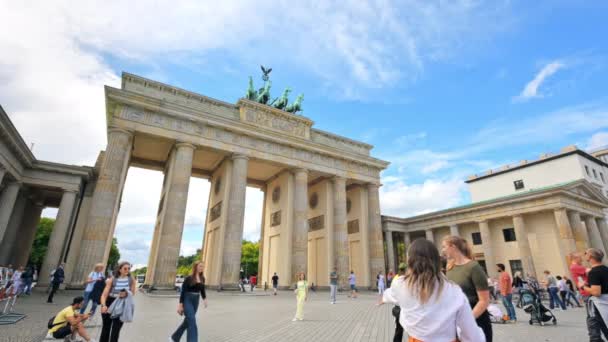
x=463, y=270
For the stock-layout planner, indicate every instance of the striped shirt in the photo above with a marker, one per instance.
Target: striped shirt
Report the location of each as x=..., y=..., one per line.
x=120, y=284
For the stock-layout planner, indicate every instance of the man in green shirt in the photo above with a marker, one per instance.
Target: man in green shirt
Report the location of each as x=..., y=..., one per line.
x=333, y=285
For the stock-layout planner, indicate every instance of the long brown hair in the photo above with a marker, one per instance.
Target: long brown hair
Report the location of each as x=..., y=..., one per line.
x=461, y=245
x=424, y=270
x=119, y=267
x=200, y=275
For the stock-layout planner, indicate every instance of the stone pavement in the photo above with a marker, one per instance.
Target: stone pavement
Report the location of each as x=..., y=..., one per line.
x=236, y=317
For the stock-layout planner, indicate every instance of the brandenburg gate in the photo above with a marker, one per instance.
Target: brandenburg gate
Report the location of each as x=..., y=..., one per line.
x=321, y=206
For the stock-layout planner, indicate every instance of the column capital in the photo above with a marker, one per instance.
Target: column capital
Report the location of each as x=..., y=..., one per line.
x=236, y=156
x=338, y=179
x=299, y=170
x=181, y=144
x=119, y=130
x=372, y=186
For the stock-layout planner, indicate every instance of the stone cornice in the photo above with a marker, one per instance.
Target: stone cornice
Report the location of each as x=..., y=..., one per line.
x=118, y=97
x=82, y=171
x=14, y=140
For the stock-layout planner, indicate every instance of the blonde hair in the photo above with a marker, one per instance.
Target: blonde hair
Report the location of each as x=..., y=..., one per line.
x=461, y=245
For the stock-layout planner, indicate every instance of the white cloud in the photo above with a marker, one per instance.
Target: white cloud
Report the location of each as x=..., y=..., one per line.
x=599, y=139
x=531, y=90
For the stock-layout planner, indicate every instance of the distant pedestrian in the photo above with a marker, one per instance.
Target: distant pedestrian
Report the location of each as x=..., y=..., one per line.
x=492, y=288
x=381, y=285
x=17, y=282
x=301, y=292
x=333, y=285
x=431, y=307
x=553, y=290
x=28, y=280
x=464, y=271
x=506, y=292
x=352, y=281
x=94, y=277
x=58, y=277
x=563, y=290
x=571, y=292
x=253, y=282
x=596, y=288
x=192, y=289
x=389, y=278
x=275, y=283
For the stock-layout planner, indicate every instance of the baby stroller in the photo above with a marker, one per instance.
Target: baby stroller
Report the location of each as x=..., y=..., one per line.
x=538, y=312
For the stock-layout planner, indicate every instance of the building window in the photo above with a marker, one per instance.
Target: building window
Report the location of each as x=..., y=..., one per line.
x=476, y=238
x=509, y=234
x=587, y=170
x=594, y=174
x=516, y=266
x=519, y=184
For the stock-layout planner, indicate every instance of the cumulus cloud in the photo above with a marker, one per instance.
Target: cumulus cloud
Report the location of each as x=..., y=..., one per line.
x=531, y=90
x=599, y=139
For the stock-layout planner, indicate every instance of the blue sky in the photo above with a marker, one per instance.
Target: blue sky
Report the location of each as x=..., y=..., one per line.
x=441, y=89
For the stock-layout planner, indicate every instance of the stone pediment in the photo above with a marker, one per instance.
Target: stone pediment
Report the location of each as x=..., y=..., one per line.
x=589, y=191
x=273, y=119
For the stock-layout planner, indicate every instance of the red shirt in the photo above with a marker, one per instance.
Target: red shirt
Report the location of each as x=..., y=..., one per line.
x=506, y=286
x=253, y=280
x=577, y=271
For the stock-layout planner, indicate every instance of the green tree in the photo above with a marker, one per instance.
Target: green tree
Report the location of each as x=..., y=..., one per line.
x=139, y=271
x=41, y=241
x=114, y=255
x=250, y=253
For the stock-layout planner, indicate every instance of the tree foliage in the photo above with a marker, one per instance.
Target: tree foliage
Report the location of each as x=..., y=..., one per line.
x=114, y=257
x=41, y=241
x=250, y=253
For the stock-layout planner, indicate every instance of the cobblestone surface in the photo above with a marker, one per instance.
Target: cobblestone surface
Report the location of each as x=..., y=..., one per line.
x=234, y=317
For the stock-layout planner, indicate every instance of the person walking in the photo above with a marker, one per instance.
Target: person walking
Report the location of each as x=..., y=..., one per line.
x=275, y=283
x=506, y=292
x=463, y=270
x=94, y=277
x=301, y=292
x=58, y=277
x=28, y=279
x=352, y=281
x=596, y=290
x=571, y=292
x=553, y=291
x=119, y=285
x=192, y=289
x=518, y=285
x=17, y=282
x=333, y=285
x=562, y=287
x=432, y=307
x=381, y=286
x=389, y=278
x=254, y=282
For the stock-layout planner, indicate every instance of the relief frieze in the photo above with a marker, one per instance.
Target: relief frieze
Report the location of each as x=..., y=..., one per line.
x=316, y=223
x=216, y=212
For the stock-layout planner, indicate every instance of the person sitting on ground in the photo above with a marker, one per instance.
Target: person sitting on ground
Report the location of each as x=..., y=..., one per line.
x=432, y=308
x=68, y=322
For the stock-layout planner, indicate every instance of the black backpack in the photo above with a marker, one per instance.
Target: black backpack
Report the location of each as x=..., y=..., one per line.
x=51, y=325
x=98, y=288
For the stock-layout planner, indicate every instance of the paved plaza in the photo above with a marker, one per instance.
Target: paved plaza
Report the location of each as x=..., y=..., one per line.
x=259, y=317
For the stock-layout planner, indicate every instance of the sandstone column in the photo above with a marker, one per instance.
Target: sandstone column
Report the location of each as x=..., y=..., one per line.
x=11, y=236
x=29, y=225
x=567, y=243
x=376, y=243
x=603, y=228
x=340, y=231
x=172, y=224
x=97, y=237
x=7, y=202
x=390, y=250
x=260, y=276
x=366, y=275
x=407, y=240
x=329, y=223
x=594, y=234
x=299, y=259
x=578, y=230
x=525, y=252
x=486, y=238
x=231, y=259
x=430, y=235
x=61, y=229
x=454, y=231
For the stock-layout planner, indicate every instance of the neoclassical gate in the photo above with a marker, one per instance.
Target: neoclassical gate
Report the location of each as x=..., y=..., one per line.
x=321, y=206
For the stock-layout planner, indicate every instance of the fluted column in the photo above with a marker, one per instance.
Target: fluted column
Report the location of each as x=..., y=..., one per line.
x=376, y=245
x=581, y=237
x=262, y=245
x=172, y=224
x=340, y=231
x=407, y=240
x=390, y=250
x=97, y=237
x=566, y=238
x=454, y=231
x=29, y=225
x=299, y=259
x=430, y=235
x=231, y=259
x=603, y=228
x=11, y=236
x=7, y=202
x=366, y=275
x=525, y=253
x=594, y=234
x=59, y=235
x=486, y=238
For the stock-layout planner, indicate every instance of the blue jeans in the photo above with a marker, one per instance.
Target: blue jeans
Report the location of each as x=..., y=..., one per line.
x=85, y=303
x=554, y=298
x=506, y=301
x=27, y=289
x=191, y=300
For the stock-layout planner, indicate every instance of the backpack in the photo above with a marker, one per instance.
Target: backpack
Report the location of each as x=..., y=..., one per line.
x=51, y=325
x=98, y=288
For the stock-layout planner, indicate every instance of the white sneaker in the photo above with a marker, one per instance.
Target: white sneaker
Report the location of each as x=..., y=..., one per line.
x=295, y=319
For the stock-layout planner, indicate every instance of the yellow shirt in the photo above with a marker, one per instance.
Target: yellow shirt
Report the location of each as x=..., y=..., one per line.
x=62, y=317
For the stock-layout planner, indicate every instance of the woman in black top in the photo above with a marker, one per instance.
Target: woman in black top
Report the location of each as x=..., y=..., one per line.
x=192, y=287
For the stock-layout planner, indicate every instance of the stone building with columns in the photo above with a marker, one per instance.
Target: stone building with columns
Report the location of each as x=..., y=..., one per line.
x=321, y=203
x=530, y=228
x=27, y=186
